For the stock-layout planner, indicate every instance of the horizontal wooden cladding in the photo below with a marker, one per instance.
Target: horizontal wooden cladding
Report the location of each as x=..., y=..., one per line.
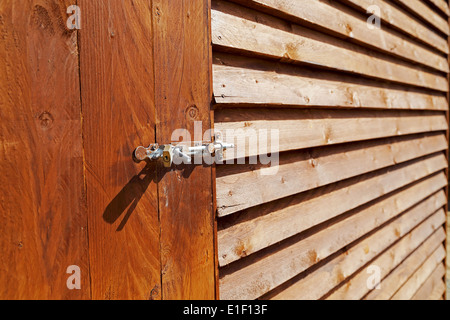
x=258, y=274
x=244, y=186
x=419, y=277
x=262, y=226
x=300, y=129
x=442, y=5
x=236, y=28
x=423, y=11
x=239, y=80
x=420, y=9
x=418, y=224
x=394, y=16
x=356, y=287
x=327, y=17
x=403, y=271
x=434, y=287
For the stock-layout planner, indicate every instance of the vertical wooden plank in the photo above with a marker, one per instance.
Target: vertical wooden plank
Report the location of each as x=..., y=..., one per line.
x=42, y=199
x=119, y=115
x=182, y=96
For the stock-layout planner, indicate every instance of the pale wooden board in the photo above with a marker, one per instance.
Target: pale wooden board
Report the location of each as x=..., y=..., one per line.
x=356, y=287
x=263, y=226
x=244, y=186
x=300, y=129
x=407, y=291
x=242, y=81
x=422, y=10
x=236, y=28
x=434, y=286
x=239, y=80
x=326, y=16
x=258, y=274
x=399, y=19
x=318, y=283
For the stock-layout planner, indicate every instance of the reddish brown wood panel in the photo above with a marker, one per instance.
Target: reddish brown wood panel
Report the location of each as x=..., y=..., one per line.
x=119, y=115
x=183, y=95
x=42, y=199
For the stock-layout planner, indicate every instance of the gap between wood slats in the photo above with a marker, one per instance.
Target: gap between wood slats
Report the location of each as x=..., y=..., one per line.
x=237, y=28
x=402, y=22
x=244, y=186
x=249, y=81
x=258, y=274
x=254, y=229
x=343, y=22
x=420, y=221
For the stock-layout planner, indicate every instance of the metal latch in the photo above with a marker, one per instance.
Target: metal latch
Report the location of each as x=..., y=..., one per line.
x=183, y=153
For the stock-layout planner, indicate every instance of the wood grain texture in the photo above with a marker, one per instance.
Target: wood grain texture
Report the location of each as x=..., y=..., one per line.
x=400, y=20
x=349, y=262
x=239, y=80
x=341, y=22
x=263, y=226
x=301, y=129
x=42, y=195
x=241, y=29
x=119, y=115
x=244, y=186
x=260, y=273
x=183, y=95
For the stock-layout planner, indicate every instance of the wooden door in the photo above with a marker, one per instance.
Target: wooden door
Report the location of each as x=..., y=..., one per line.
x=74, y=104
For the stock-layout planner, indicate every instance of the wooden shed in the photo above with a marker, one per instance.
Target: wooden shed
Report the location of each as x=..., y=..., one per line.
x=329, y=144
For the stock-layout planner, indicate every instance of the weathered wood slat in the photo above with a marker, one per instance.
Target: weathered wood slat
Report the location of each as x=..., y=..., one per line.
x=245, y=81
x=258, y=274
x=423, y=11
x=419, y=277
x=297, y=44
x=262, y=226
x=434, y=287
x=318, y=283
x=356, y=287
x=243, y=186
x=399, y=19
x=334, y=20
x=300, y=129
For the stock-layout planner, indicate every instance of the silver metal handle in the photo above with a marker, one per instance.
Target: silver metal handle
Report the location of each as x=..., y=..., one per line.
x=167, y=152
